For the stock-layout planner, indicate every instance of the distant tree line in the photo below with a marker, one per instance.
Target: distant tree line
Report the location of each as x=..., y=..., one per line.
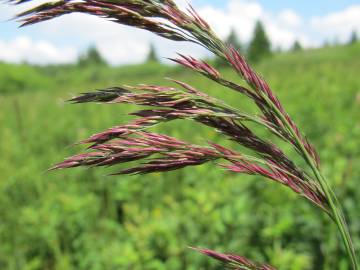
x=257, y=49
x=353, y=38
x=92, y=56
x=259, y=46
x=152, y=55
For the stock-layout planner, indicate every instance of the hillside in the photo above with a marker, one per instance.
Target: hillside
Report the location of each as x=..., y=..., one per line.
x=81, y=219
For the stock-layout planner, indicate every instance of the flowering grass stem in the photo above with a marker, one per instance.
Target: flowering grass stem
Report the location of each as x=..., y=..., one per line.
x=132, y=141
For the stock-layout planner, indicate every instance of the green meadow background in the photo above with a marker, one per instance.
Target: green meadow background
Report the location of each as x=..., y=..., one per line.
x=83, y=219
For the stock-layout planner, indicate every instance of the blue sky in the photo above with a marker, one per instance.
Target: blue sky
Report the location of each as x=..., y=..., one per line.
x=305, y=8
x=62, y=40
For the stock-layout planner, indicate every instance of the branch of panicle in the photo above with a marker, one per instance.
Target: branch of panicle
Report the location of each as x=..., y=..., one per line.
x=270, y=120
x=164, y=153
x=189, y=103
x=232, y=261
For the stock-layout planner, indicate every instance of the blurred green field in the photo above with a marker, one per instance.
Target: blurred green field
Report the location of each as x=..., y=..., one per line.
x=83, y=219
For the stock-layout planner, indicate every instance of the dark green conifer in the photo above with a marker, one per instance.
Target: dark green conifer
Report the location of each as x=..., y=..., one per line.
x=259, y=46
x=152, y=56
x=296, y=46
x=91, y=57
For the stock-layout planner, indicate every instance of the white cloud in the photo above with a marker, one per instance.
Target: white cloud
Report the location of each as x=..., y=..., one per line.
x=183, y=3
x=39, y=52
x=238, y=14
x=339, y=24
x=117, y=43
x=283, y=28
x=290, y=18
x=8, y=11
x=120, y=44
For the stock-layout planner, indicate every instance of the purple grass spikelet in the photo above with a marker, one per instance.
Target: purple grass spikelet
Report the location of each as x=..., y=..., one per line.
x=159, y=153
x=232, y=261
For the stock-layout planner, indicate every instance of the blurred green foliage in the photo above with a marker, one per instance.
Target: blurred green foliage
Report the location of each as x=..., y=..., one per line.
x=82, y=219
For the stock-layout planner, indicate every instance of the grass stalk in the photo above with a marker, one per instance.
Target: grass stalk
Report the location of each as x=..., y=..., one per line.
x=336, y=213
x=125, y=143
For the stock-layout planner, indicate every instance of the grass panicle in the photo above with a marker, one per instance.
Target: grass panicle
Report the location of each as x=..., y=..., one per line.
x=132, y=141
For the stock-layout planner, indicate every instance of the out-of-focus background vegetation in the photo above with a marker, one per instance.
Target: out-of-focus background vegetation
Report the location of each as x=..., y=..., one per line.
x=83, y=219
